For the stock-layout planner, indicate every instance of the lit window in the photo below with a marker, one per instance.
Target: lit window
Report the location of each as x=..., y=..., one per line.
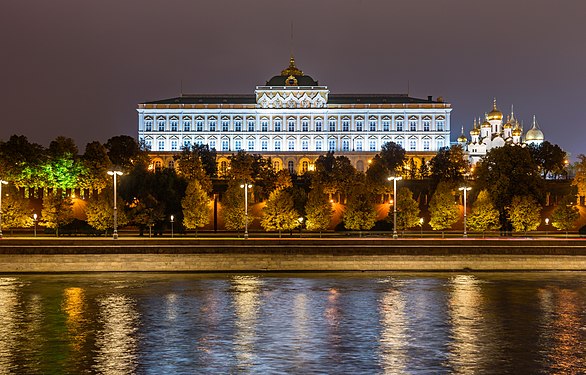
x=386, y=125
x=304, y=167
x=399, y=125
x=291, y=166
x=148, y=125
x=264, y=124
x=277, y=145
x=212, y=125
x=186, y=143
x=439, y=144
x=250, y=126
x=318, y=145
x=174, y=125
x=372, y=125
x=276, y=166
x=161, y=145
x=332, y=125
x=412, y=145
x=440, y=125
x=199, y=125
x=149, y=144
x=291, y=145
x=264, y=145
x=372, y=145
x=225, y=146
x=171, y=164
x=425, y=145
x=359, y=124
x=212, y=145
x=358, y=145
x=277, y=125
x=238, y=145
x=173, y=145
x=305, y=125
x=426, y=125
x=161, y=124
x=250, y=145
x=345, y=145
x=318, y=125
x=304, y=145
x=345, y=125
x=186, y=125
x=332, y=145
x=291, y=125
x=237, y=126
x=412, y=125
x=225, y=125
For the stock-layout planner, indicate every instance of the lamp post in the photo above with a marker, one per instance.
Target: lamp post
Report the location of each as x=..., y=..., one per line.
x=115, y=174
x=172, y=219
x=2, y=182
x=421, y=226
x=465, y=189
x=35, y=219
x=546, y=226
x=300, y=219
x=246, y=187
x=395, y=179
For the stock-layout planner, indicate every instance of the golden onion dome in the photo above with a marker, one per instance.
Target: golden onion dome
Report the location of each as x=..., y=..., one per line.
x=485, y=124
x=517, y=132
x=508, y=125
x=475, y=131
x=462, y=139
x=495, y=114
x=534, y=134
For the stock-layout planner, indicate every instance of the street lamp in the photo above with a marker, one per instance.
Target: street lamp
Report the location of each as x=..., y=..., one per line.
x=300, y=219
x=421, y=226
x=546, y=226
x=172, y=219
x=465, y=189
x=246, y=187
x=35, y=217
x=394, y=179
x=115, y=174
x=2, y=182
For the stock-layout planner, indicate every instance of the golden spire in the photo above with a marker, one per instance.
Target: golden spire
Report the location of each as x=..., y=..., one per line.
x=495, y=114
x=292, y=70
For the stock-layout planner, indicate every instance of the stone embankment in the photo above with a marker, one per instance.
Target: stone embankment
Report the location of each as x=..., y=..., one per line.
x=292, y=254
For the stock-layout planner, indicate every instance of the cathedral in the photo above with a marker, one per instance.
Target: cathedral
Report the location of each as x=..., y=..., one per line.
x=293, y=120
x=494, y=132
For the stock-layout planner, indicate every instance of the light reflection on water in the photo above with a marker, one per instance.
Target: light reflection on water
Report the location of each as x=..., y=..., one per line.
x=298, y=323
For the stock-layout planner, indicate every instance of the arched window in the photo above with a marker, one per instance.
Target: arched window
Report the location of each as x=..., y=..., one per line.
x=158, y=165
x=276, y=165
x=223, y=167
x=291, y=166
x=360, y=166
x=304, y=166
x=171, y=164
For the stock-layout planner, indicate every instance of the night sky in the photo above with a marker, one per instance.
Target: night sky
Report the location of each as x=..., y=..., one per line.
x=79, y=68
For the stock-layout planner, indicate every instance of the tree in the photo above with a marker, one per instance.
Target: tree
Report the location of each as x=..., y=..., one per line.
x=233, y=207
x=408, y=212
x=566, y=214
x=57, y=211
x=279, y=213
x=377, y=176
x=195, y=207
x=549, y=158
x=195, y=164
x=580, y=177
x=318, y=210
x=360, y=213
x=449, y=165
x=95, y=164
x=484, y=216
x=442, y=208
x=22, y=162
x=15, y=210
x=146, y=212
x=524, y=213
x=100, y=211
x=63, y=167
x=333, y=174
x=393, y=157
x=506, y=172
x=63, y=147
x=125, y=152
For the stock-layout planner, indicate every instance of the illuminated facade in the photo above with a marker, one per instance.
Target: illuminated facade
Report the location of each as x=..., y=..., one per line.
x=293, y=120
x=493, y=133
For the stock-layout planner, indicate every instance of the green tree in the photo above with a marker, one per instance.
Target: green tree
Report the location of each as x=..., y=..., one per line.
x=580, y=178
x=376, y=176
x=125, y=152
x=442, y=208
x=195, y=205
x=360, y=213
x=318, y=210
x=95, y=165
x=100, y=211
x=15, y=210
x=233, y=207
x=408, y=212
x=566, y=214
x=22, y=162
x=549, y=158
x=524, y=213
x=190, y=164
x=146, y=212
x=484, y=216
x=449, y=165
x=393, y=157
x=333, y=174
x=279, y=213
x=57, y=211
x=506, y=172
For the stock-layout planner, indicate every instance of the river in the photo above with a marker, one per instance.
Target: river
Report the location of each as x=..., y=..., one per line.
x=339, y=323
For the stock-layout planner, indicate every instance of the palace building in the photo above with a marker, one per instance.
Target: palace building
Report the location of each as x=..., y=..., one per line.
x=494, y=132
x=293, y=120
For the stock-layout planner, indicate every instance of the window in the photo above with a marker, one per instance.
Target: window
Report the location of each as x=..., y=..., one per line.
x=277, y=125
x=174, y=145
x=171, y=164
x=264, y=145
x=149, y=144
x=238, y=125
x=412, y=145
x=161, y=145
x=412, y=125
x=225, y=125
x=161, y=124
x=291, y=145
x=199, y=125
x=372, y=125
x=277, y=145
x=174, y=124
x=304, y=125
x=426, y=125
x=276, y=166
x=358, y=145
x=372, y=145
x=186, y=143
x=332, y=125
x=186, y=125
x=250, y=125
x=401, y=143
x=318, y=145
x=386, y=125
x=225, y=145
x=264, y=124
x=148, y=125
x=291, y=166
x=318, y=125
x=291, y=125
x=199, y=142
x=359, y=124
x=158, y=165
x=440, y=125
x=425, y=145
x=212, y=125
x=212, y=145
x=304, y=167
x=305, y=145
x=237, y=145
x=439, y=143
x=345, y=145
x=332, y=145
x=250, y=145
x=223, y=167
x=345, y=125
x=399, y=125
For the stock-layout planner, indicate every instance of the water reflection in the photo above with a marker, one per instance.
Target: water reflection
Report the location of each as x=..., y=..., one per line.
x=9, y=313
x=116, y=342
x=246, y=291
x=394, y=338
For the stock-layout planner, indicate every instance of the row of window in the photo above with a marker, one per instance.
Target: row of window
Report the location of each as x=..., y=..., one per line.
x=291, y=125
x=290, y=145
